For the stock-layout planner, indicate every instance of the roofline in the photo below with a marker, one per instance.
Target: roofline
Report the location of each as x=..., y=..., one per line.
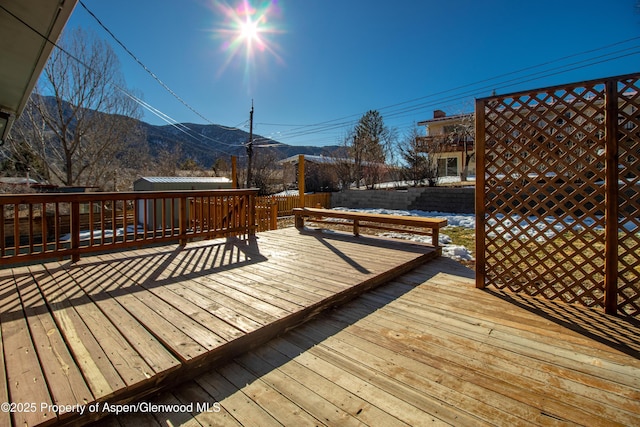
x=445, y=118
x=58, y=22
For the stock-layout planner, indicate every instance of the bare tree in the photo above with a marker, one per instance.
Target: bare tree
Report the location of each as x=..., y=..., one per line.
x=191, y=165
x=167, y=161
x=343, y=165
x=220, y=167
x=80, y=120
x=433, y=147
x=264, y=170
x=464, y=137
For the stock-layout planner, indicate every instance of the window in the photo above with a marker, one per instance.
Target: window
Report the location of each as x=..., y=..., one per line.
x=448, y=166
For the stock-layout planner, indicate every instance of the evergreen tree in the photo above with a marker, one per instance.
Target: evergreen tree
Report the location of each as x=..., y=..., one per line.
x=371, y=140
x=416, y=168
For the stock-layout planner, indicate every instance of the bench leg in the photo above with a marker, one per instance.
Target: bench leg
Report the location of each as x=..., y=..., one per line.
x=299, y=222
x=435, y=235
x=356, y=227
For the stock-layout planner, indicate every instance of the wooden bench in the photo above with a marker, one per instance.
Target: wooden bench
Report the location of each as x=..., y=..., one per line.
x=372, y=220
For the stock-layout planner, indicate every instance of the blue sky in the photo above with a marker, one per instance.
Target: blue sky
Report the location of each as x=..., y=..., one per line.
x=324, y=63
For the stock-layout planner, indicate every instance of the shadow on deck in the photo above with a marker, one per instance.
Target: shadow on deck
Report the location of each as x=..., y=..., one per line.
x=426, y=348
x=117, y=327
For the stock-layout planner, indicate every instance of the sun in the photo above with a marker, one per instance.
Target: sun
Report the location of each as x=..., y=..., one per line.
x=247, y=31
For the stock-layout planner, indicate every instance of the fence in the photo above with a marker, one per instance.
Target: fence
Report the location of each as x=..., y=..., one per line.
x=270, y=208
x=41, y=226
x=558, y=193
x=287, y=203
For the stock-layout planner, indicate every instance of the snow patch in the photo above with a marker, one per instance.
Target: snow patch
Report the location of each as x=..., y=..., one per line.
x=453, y=219
x=457, y=252
x=97, y=234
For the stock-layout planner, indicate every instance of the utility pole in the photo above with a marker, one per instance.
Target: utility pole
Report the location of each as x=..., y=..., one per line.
x=250, y=149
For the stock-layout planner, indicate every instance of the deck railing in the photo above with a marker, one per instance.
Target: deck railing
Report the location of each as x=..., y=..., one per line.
x=42, y=226
x=286, y=204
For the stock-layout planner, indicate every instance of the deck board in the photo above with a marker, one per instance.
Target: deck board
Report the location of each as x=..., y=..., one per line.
x=428, y=348
x=57, y=363
x=25, y=378
x=118, y=326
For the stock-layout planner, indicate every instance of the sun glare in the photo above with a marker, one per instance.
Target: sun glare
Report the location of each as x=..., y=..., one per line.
x=247, y=28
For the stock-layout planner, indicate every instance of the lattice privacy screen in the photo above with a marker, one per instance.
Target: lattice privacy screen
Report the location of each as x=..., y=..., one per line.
x=558, y=193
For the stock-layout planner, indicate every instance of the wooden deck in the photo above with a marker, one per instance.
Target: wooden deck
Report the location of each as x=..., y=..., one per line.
x=427, y=348
x=115, y=327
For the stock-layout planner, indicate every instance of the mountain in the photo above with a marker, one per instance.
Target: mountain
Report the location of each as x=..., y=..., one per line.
x=205, y=143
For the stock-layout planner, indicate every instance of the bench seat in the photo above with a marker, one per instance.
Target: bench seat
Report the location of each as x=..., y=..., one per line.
x=372, y=220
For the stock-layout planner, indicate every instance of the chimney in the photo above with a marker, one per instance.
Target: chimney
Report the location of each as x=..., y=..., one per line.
x=438, y=114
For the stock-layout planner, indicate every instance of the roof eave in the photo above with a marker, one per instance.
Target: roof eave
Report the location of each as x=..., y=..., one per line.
x=40, y=19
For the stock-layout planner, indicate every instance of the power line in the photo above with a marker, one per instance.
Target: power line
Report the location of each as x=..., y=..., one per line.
x=406, y=111
x=327, y=126
x=166, y=118
x=334, y=124
x=135, y=58
x=307, y=129
x=529, y=77
x=157, y=79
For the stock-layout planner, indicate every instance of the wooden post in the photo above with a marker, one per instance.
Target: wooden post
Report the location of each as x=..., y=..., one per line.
x=299, y=221
x=3, y=241
x=182, y=219
x=75, y=231
x=611, y=199
x=301, y=179
x=251, y=200
x=44, y=228
x=16, y=228
x=480, y=188
x=234, y=172
x=274, y=213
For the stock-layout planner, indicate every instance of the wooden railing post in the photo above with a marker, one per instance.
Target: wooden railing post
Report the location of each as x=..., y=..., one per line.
x=182, y=220
x=250, y=200
x=274, y=213
x=75, y=231
x=16, y=228
x=301, y=179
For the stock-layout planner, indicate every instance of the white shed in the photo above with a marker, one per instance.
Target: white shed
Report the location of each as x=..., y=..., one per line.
x=172, y=183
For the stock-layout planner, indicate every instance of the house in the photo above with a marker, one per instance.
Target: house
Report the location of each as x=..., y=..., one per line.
x=450, y=139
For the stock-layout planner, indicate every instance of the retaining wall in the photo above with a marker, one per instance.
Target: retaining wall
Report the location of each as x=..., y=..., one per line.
x=441, y=199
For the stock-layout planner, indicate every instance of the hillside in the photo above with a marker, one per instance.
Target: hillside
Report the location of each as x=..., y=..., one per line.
x=205, y=143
